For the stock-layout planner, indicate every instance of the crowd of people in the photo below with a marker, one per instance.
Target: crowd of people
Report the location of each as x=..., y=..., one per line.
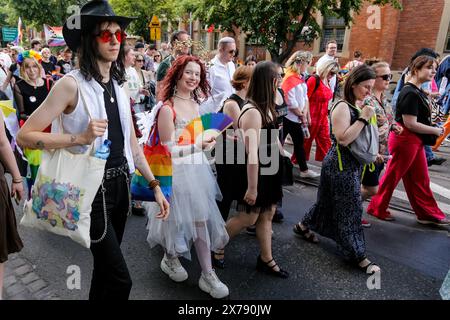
x=268, y=103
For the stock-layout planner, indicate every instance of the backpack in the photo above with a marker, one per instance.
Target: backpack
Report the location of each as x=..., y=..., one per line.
x=365, y=147
x=316, y=76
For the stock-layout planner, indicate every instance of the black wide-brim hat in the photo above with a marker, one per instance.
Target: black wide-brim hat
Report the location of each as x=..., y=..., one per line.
x=91, y=13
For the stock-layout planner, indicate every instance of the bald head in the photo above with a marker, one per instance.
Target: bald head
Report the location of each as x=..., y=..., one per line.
x=227, y=49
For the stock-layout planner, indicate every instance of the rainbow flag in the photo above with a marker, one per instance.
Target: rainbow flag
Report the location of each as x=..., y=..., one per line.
x=34, y=160
x=18, y=40
x=54, y=36
x=11, y=122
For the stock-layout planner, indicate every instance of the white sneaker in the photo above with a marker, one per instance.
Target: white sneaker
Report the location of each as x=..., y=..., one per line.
x=211, y=284
x=309, y=174
x=174, y=269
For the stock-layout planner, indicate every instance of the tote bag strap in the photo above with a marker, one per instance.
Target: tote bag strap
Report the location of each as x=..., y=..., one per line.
x=155, y=137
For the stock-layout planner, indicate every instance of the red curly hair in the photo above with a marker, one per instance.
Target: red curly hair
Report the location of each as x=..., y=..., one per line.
x=176, y=72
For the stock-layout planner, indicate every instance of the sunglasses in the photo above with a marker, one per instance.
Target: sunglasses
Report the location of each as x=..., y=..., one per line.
x=233, y=52
x=139, y=60
x=281, y=75
x=157, y=56
x=386, y=77
x=105, y=36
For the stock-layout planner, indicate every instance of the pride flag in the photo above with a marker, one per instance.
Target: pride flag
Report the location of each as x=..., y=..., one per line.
x=18, y=40
x=54, y=36
x=11, y=122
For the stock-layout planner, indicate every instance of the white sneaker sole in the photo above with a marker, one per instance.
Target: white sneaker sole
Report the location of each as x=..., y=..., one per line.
x=178, y=278
x=427, y=222
x=204, y=287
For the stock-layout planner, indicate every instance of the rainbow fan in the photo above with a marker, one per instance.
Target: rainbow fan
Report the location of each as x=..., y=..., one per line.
x=207, y=126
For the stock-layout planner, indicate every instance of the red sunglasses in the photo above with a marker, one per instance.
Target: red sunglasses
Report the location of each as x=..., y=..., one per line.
x=105, y=36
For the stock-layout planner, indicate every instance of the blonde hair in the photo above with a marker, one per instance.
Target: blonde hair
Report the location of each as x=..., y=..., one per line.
x=23, y=73
x=381, y=64
x=298, y=56
x=327, y=67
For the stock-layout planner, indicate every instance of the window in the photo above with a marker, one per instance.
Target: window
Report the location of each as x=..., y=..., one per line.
x=333, y=29
x=204, y=38
x=447, y=41
x=216, y=40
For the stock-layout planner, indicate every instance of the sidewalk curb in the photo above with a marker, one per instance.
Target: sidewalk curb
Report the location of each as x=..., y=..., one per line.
x=21, y=282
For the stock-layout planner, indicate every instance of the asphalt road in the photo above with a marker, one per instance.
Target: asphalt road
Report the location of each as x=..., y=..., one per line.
x=414, y=261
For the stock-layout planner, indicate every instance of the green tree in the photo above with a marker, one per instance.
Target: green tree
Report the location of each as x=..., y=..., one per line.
x=36, y=13
x=278, y=24
x=143, y=10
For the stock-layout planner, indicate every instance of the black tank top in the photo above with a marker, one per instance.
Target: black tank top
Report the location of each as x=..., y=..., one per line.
x=235, y=98
x=33, y=96
x=224, y=146
x=115, y=134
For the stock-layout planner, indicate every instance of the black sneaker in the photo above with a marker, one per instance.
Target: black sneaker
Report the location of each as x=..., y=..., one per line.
x=438, y=160
x=278, y=216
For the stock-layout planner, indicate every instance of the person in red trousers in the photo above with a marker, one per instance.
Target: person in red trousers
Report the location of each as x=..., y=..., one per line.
x=408, y=156
x=319, y=95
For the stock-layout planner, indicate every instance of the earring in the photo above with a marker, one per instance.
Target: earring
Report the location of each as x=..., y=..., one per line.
x=175, y=90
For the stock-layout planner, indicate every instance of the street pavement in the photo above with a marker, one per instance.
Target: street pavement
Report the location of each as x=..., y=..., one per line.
x=414, y=259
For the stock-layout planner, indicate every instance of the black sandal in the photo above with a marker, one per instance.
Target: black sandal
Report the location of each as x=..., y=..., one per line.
x=305, y=234
x=264, y=267
x=218, y=262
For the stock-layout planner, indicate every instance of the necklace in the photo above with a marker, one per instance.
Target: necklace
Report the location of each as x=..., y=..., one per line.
x=110, y=93
x=182, y=98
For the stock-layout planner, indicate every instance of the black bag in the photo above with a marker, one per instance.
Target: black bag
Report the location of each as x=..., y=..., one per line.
x=429, y=139
x=287, y=171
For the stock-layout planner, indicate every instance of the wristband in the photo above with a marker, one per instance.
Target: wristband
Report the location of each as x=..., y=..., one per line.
x=153, y=184
x=363, y=121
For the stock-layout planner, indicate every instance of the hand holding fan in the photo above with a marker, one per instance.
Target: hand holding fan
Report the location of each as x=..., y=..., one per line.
x=204, y=128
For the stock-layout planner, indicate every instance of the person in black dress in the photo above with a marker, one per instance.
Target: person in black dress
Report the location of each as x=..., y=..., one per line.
x=338, y=209
x=228, y=174
x=261, y=190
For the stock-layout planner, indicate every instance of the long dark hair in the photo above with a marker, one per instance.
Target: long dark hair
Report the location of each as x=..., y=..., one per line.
x=176, y=72
x=261, y=89
x=88, y=55
x=356, y=76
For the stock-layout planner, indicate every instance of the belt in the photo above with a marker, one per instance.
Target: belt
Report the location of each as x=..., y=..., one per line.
x=112, y=173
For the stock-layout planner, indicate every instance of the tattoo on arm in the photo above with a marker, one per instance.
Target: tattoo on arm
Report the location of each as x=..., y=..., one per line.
x=73, y=138
x=40, y=145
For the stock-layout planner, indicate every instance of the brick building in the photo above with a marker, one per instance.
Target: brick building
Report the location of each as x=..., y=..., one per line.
x=381, y=32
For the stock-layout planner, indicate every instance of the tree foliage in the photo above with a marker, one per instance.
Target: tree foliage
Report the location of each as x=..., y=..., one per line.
x=278, y=24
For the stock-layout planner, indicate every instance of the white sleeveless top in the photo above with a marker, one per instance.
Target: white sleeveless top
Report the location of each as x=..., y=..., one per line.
x=77, y=121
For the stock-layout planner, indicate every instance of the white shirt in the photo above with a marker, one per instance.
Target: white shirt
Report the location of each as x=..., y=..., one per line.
x=133, y=84
x=296, y=99
x=77, y=121
x=319, y=65
x=220, y=76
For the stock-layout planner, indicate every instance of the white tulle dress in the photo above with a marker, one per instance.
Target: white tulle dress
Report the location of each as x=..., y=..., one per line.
x=193, y=210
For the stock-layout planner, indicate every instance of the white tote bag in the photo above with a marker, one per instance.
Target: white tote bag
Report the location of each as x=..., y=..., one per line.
x=62, y=195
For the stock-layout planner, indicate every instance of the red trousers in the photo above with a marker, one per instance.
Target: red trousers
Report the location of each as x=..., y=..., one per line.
x=408, y=163
x=319, y=131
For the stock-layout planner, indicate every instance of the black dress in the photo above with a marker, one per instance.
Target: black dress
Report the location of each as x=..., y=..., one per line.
x=230, y=172
x=269, y=189
x=33, y=96
x=10, y=241
x=338, y=209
